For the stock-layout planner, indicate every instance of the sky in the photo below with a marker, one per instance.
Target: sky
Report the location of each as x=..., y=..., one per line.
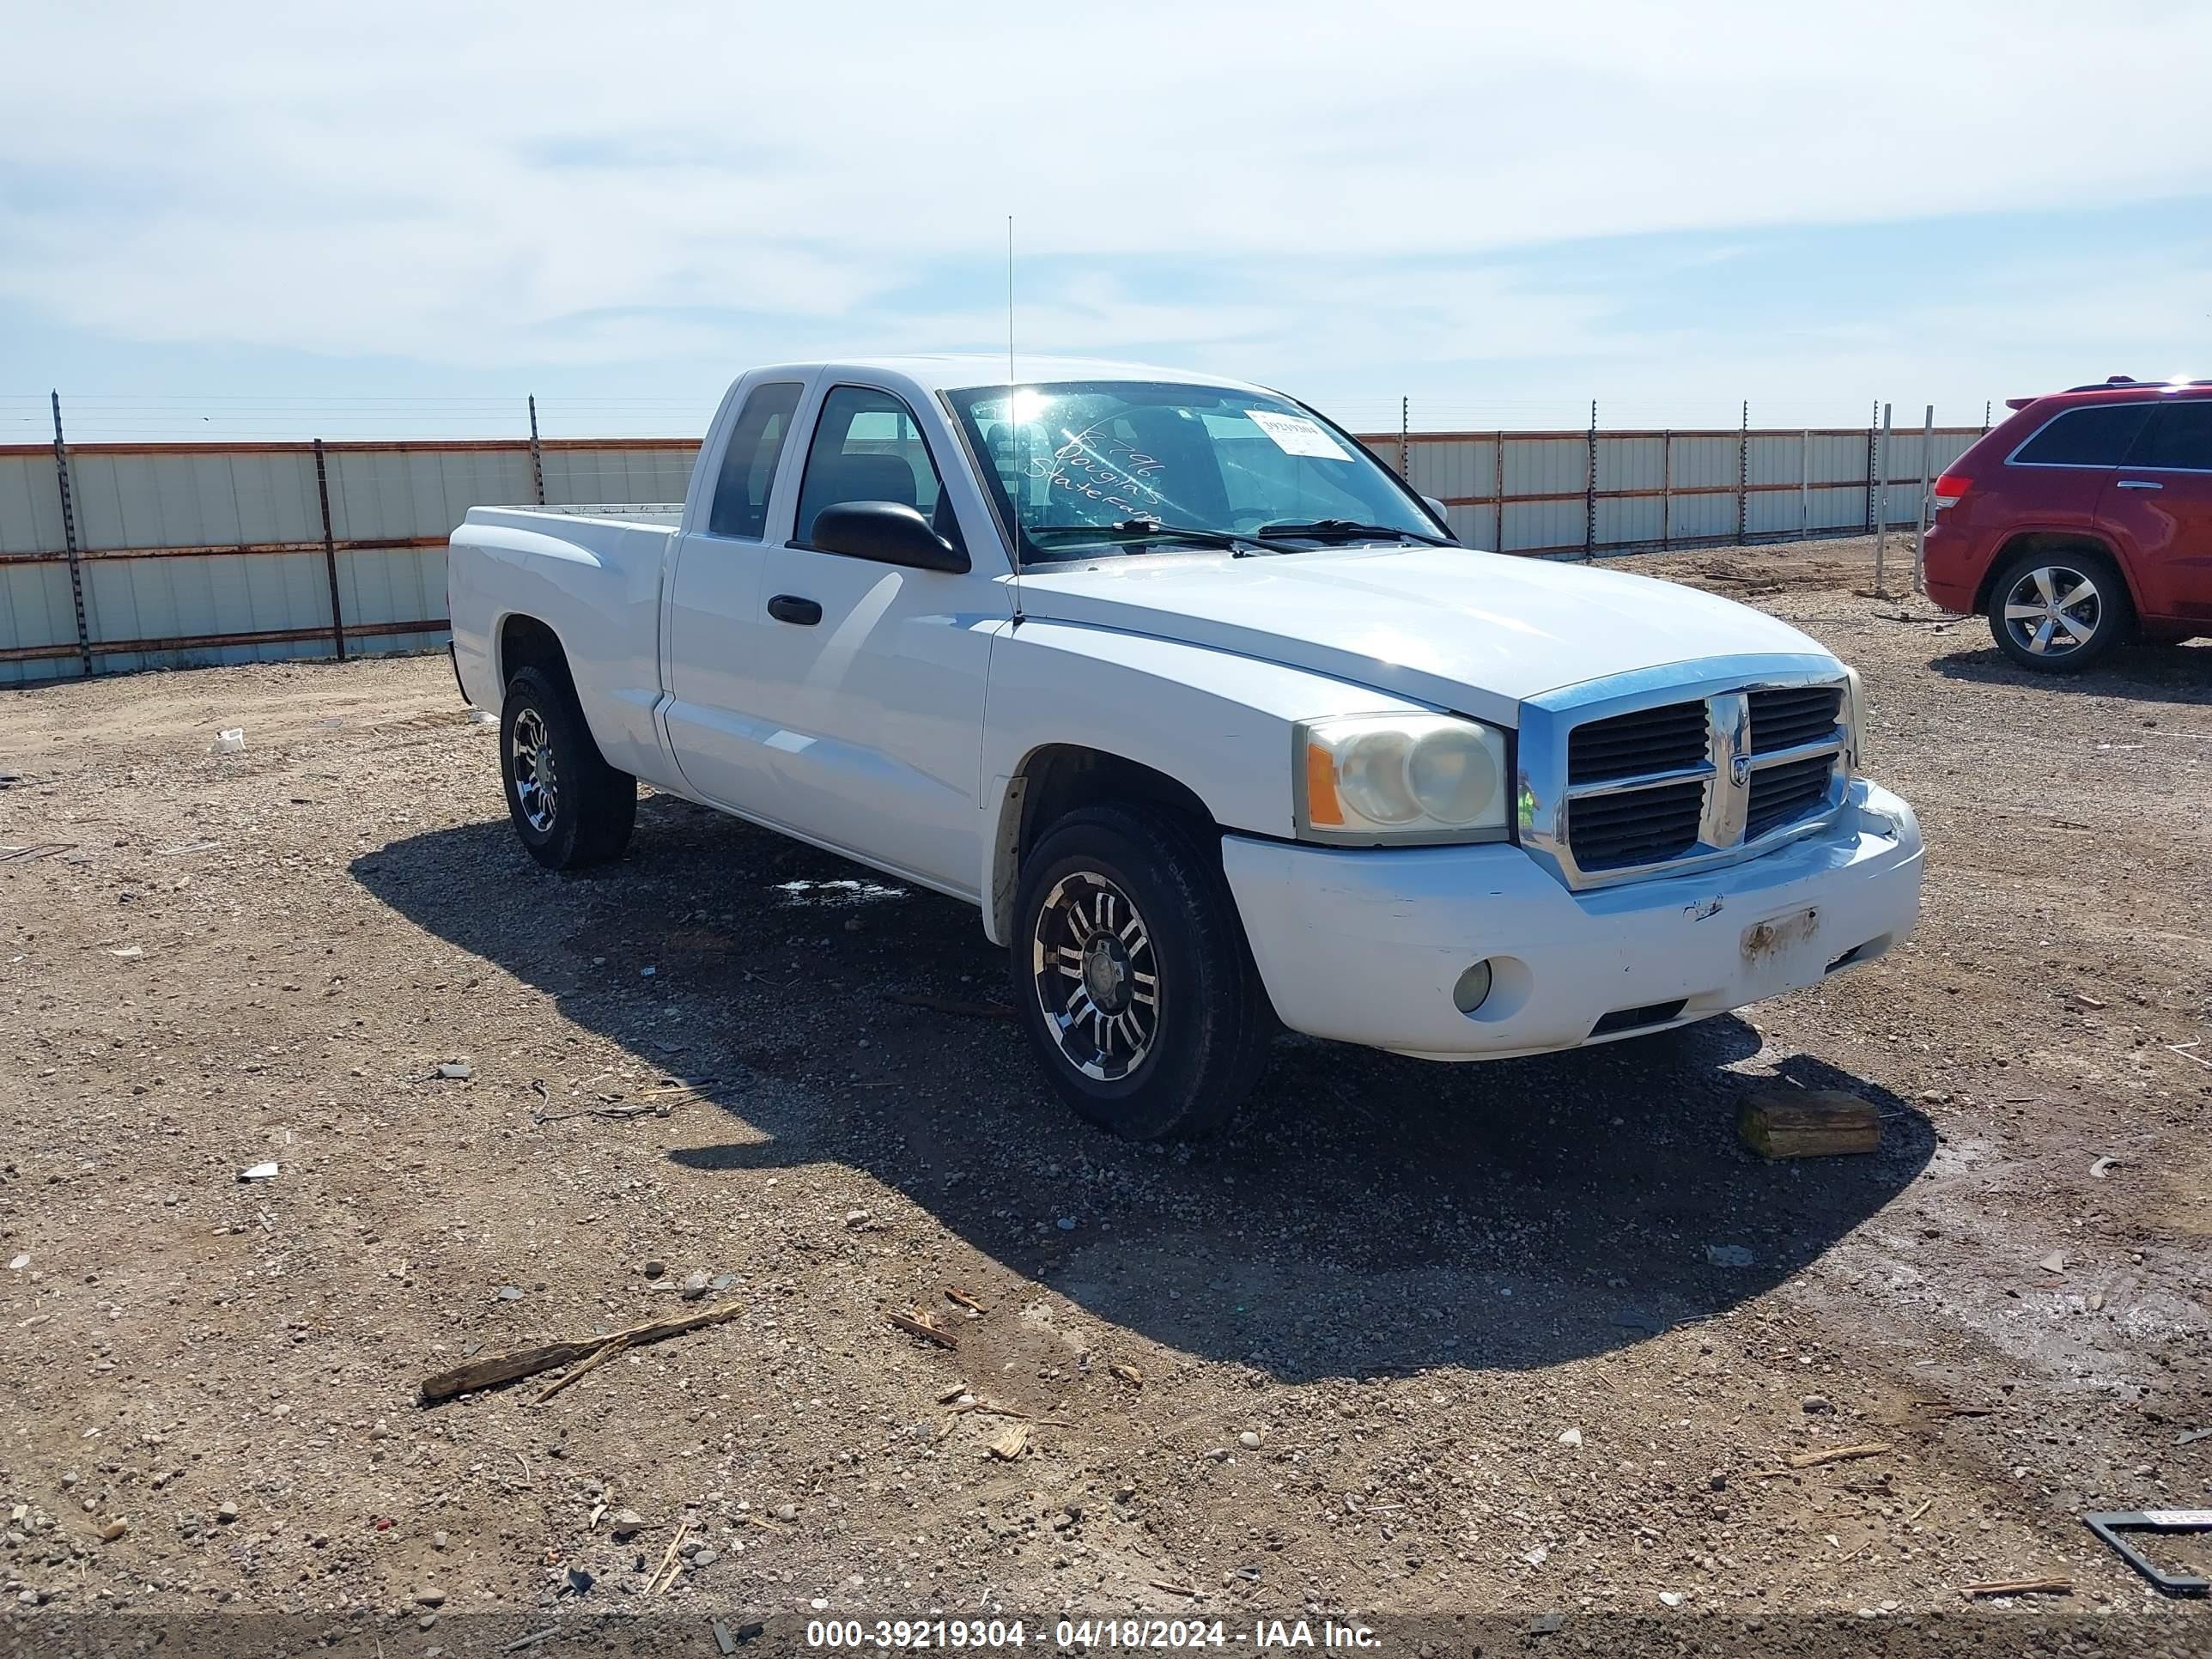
x=228, y=221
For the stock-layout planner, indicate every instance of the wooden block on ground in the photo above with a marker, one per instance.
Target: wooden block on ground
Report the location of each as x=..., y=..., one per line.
x=1808, y=1123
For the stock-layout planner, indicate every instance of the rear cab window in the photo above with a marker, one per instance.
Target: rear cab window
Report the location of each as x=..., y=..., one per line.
x=749, y=462
x=2097, y=434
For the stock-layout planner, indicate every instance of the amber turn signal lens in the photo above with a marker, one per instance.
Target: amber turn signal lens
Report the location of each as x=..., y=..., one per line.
x=1322, y=806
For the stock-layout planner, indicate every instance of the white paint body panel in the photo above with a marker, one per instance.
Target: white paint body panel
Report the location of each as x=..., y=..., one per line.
x=1366, y=946
x=896, y=730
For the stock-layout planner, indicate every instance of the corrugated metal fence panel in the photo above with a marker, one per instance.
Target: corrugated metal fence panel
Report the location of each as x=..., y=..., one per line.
x=219, y=500
x=30, y=505
x=1637, y=462
x=1449, y=469
x=36, y=610
x=35, y=607
x=206, y=598
x=574, y=476
x=1549, y=465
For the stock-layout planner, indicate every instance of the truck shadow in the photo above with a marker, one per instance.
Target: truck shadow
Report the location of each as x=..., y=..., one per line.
x=1370, y=1215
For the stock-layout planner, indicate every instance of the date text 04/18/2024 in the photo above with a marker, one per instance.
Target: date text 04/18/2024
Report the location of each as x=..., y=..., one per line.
x=1153, y=1635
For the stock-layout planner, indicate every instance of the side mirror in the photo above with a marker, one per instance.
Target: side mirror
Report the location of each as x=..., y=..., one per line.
x=1437, y=508
x=888, y=532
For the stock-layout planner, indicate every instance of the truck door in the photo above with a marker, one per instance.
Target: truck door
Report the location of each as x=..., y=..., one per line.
x=872, y=673
x=2161, y=500
x=716, y=727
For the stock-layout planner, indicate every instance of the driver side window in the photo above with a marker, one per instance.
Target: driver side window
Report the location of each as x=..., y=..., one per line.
x=868, y=448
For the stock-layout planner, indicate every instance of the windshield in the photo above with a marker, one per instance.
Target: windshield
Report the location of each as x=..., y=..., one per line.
x=1139, y=466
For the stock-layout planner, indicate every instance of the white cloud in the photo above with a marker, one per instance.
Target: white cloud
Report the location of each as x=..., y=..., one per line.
x=569, y=184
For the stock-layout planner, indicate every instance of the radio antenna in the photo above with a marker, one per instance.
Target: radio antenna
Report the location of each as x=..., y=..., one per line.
x=1015, y=484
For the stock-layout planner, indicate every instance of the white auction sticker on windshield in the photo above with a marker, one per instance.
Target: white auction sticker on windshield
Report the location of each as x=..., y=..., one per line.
x=1294, y=435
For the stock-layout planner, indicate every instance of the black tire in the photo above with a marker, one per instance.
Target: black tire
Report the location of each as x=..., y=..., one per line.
x=1210, y=1021
x=2036, y=581
x=585, y=816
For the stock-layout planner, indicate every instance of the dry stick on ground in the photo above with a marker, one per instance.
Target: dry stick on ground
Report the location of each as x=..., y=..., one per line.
x=668, y=1562
x=964, y=1300
x=1837, y=1454
x=529, y=1362
x=2019, y=1586
x=584, y=1369
x=915, y=1325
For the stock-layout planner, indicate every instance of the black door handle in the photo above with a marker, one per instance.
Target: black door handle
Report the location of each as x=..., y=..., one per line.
x=789, y=607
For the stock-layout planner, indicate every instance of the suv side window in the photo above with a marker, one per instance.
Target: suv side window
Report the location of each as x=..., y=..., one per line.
x=2179, y=437
x=2097, y=435
x=868, y=448
x=740, y=505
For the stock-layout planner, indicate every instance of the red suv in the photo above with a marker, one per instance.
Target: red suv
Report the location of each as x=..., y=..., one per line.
x=2083, y=521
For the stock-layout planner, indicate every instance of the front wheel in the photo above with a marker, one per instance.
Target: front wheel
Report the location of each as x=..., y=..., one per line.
x=1132, y=976
x=570, y=807
x=2059, y=612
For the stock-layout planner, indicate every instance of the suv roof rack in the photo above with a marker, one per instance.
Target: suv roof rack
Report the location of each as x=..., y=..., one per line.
x=2118, y=380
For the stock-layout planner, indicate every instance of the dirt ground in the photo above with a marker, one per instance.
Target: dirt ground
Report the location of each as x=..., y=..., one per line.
x=1411, y=1341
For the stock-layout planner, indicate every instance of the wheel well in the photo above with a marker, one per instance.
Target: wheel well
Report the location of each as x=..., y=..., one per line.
x=1060, y=778
x=526, y=642
x=2047, y=541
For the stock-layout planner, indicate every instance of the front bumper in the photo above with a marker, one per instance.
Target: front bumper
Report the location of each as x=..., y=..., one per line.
x=1364, y=945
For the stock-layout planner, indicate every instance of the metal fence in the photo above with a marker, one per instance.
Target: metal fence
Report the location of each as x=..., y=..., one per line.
x=122, y=557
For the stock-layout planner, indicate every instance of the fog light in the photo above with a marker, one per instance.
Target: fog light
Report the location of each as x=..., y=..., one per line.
x=1472, y=989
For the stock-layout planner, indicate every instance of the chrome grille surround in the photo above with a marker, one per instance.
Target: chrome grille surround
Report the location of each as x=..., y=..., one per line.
x=1724, y=774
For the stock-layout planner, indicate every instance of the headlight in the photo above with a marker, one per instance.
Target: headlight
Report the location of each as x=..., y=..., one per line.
x=1367, y=778
x=1855, y=722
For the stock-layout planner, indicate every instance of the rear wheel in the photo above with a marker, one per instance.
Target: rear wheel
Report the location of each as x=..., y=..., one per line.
x=2059, y=612
x=571, y=808
x=1132, y=976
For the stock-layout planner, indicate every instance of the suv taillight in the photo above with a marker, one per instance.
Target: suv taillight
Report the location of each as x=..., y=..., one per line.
x=1951, y=489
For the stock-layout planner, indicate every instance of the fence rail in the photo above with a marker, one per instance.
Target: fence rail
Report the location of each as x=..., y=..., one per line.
x=115, y=557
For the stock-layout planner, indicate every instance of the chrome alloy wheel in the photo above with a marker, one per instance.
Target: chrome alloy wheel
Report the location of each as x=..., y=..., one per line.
x=537, y=784
x=2053, y=611
x=1097, y=979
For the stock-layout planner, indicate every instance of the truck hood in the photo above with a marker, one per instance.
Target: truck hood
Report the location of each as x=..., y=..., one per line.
x=1476, y=632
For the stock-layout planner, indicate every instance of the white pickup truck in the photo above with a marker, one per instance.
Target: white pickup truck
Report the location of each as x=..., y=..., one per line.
x=1204, y=710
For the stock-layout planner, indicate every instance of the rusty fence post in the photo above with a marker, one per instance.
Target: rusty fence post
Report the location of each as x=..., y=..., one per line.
x=1804, y=482
x=1665, y=487
x=330, y=553
x=537, y=454
x=1589, y=486
x=1873, y=426
x=1743, y=475
x=69, y=538
x=1497, y=494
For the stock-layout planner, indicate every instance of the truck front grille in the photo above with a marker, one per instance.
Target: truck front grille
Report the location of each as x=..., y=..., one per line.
x=1692, y=781
x=1636, y=827
x=1664, y=739
x=1786, y=791
x=1784, y=717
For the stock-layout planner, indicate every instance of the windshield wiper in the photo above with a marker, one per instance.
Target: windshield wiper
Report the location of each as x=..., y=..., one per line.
x=1339, y=529
x=1149, y=530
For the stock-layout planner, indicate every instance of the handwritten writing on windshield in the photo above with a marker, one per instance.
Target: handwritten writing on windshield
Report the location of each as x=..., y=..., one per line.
x=1108, y=471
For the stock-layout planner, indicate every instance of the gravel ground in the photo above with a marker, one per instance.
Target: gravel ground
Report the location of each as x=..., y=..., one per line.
x=1411, y=1340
